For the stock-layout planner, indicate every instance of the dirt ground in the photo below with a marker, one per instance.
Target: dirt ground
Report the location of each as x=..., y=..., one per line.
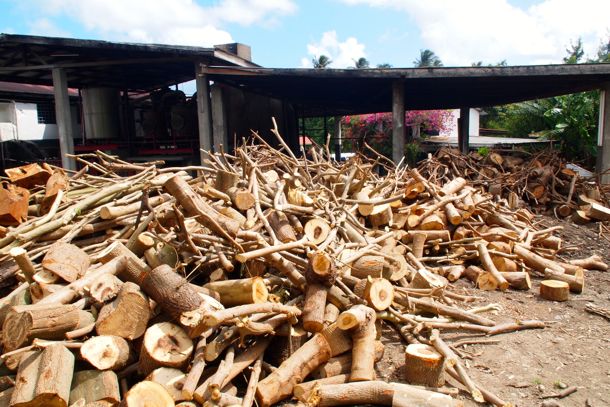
x=574, y=350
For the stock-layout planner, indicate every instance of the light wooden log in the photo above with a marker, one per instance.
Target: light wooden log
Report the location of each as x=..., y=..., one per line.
x=135, y=267
x=554, y=290
x=106, y=352
x=164, y=344
x=490, y=267
x=105, y=288
x=20, y=255
x=26, y=322
x=66, y=260
x=316, y=230
x=44, y=378
x=171, y=379
x=519, y=280
x=368, y=265
x=280, y=383
x=535, y=261
x=281, y=226
x=593, y=262
x=127, y=315
x=418, y=241
x=377, y=292
x=240, y=291
x=147, y=394
x=95, y=386
x=424, y=366
x=425, y=279
x=576, y=282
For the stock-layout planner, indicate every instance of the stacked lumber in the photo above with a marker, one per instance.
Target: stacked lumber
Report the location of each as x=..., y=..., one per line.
x=146, y=286
x=542, y=182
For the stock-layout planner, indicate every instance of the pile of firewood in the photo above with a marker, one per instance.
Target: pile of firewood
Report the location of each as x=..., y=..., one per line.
x=256, y=276
x=542, y=182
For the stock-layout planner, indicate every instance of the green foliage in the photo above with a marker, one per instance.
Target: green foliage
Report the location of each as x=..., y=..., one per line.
x=575, y=53
x=361, y=63
x=321, y=62
x=384, y=66
x=427, y=58
x=483, y=151
x=412, y=152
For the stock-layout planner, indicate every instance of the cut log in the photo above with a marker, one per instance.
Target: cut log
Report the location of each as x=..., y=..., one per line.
x=105, y=288
x=432, y=222
x=196, y=206
x=240, y=291
x=490, y=267
x=13, y=205
x=417, y=244
x=424, y=366
x=487, y=282
x=147, y=394
x=127, y=315
x=381, y=215
x=95, y=386
x=143, y=242
x=342, y=364
x=368, y=266
x=44, y=378
x=66, y=260
x=165, y=344
x=135, y=268
x=225, y=180
x=519, y=280
x=241, y=198
x=314, y=307
x=453, y=215
x=171, y=379
x=598, y=212
x=20, y=255
x=576, y=282
x=280, y=383
x=554, y=290
x=535, y=261
x=106, y=352
x=361, y=320
x=171, y=291
x=29, y=175
x=454, y=186
x=593, y=262
x=302, y=391
x=504, y=264
x=26, y=322
x=377, y=292
x=316, y=230
x=425, y=279
x=281, y=226
x=580, y=217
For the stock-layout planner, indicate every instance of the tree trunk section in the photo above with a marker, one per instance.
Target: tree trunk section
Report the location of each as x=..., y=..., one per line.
x=127, y=315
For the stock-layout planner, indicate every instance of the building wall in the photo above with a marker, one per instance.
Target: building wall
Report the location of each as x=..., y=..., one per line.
x=473, y=127
x=23, y=117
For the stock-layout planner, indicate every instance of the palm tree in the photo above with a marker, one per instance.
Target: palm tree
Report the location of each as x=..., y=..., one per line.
x=321, y=62
x=427, y=58
x=361, y=63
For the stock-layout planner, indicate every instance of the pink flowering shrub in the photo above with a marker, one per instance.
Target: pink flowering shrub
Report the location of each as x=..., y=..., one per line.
x=376, y=128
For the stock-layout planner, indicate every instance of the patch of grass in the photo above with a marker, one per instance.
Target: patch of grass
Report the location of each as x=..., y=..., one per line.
x=537, y=380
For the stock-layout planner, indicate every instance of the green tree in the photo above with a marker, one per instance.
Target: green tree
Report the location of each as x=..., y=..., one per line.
x=321, y=62
x=384, y=66
x=361, y=63
x=427, y=58
x=603, y=52
x=575, y=53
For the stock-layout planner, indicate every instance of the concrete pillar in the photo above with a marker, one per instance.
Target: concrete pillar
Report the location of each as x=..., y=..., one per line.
x=398, y=121
x=464, y=130
x=219, y=127
x=204, y=113
x=603, y=138
x=64, y=118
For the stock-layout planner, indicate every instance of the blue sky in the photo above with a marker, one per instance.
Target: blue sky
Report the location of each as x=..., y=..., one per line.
x=288, y=33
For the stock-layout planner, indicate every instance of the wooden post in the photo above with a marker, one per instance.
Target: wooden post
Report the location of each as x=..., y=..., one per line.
x=464, y=130
x=603, y=138
x=64, y=118
x=204, y=113
x=338, y=137
x=398, y=120
x=219, y=133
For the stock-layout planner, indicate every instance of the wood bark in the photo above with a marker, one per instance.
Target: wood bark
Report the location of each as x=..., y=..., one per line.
x=424, y=366
x=240, y=291
x=66, y=260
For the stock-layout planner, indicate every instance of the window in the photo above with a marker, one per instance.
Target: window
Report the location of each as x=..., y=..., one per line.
x=46, y=112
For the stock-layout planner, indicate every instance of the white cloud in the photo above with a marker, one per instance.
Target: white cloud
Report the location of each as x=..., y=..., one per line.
x=461, y=32
x=342, y=53
x=44, y=26
x=179, y=22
